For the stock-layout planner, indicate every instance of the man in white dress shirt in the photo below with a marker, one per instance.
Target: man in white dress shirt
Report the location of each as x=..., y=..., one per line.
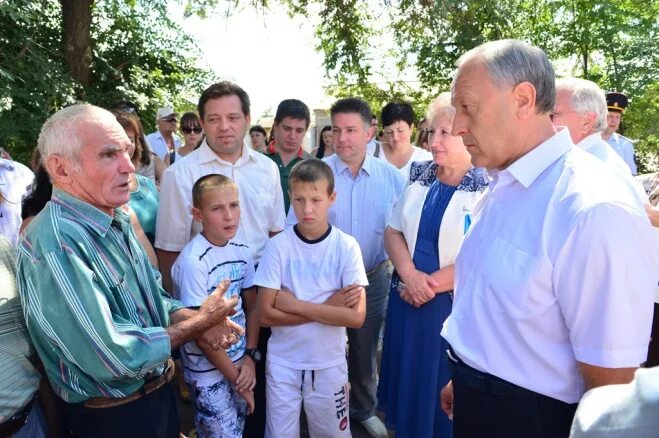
x=224, y=112
x=581, y=108
x=555, y=279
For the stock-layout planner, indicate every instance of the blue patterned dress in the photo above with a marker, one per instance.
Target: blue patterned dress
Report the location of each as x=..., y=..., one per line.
x=414, y=368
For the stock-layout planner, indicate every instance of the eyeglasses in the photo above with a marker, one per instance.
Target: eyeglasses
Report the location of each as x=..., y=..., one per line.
x=188, y=130
x=171, y=120
x=554, y=114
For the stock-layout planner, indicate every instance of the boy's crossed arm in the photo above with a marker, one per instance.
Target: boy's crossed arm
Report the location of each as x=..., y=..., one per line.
x=345, y=308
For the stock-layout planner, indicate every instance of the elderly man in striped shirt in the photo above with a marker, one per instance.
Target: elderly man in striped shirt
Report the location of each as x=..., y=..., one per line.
x=102, y=324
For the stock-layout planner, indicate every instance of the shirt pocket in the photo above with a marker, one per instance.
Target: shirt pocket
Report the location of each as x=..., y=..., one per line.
x=515, y=282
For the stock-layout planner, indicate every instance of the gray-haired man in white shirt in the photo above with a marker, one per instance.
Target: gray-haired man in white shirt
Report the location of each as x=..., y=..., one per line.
x=555, y=280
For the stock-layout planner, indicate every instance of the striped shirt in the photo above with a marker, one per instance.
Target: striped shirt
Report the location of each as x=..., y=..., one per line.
x=198, y=270
x=19, y=380
x=363, y=204
x=93, y=304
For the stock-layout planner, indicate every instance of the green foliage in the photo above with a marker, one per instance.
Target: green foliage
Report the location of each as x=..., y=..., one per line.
x=640, y=122
x=139, y=54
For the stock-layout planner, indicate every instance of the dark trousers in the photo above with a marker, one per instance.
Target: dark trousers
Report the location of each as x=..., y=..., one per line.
x=363, y=346
x=255, y=423
x=154, y=415
x=653, y=349
x=486, y=406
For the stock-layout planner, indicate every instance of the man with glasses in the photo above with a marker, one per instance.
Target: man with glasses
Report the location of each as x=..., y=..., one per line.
x=163, y=141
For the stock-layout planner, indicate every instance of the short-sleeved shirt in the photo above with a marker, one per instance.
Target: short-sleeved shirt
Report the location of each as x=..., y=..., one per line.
x=625, y=148
x=555, y=270
x=259, y=192
x=144, y=201
x=158, y=144
x=93, y=304
x=313, y=271
x=198, y=270
x=19, y=380
x=15, y=183
x=285, y=170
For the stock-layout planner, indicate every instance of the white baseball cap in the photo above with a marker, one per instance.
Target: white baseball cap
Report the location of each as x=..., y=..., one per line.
x=164, y=112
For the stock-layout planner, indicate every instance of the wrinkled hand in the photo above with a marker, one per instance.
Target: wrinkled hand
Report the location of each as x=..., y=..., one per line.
x=217, y=306
x=446, y=400
x=249, y=398
x=247, y=376
x=223, y=334
x=285, y=301
x=417, y=288
x=347, y=297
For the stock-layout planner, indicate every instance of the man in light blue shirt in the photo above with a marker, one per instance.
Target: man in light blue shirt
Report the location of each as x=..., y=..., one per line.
x=367, y=189
x=616, y=104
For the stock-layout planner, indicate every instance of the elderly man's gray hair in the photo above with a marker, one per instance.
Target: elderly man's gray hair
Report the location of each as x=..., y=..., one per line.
x=585, y=97
x=511, y=62
x=60, y=134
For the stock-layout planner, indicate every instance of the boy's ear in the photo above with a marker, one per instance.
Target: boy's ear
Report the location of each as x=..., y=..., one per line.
x=196, y=214
x=332, y=198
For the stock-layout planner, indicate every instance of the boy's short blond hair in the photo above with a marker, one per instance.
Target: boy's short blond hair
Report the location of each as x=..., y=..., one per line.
x=205, y=183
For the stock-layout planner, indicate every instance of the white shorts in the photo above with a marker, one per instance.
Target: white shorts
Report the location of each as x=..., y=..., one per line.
x=325, y=394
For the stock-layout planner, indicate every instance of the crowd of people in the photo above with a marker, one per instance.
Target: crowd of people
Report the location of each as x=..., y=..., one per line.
x=505, y=265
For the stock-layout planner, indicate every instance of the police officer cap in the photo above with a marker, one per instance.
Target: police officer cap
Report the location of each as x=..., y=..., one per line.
x=616, y=102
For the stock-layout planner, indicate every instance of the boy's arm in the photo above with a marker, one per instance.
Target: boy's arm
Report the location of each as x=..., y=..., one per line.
x=352, y=317
x=252, y=315
x=221, y=361
x=269, y=315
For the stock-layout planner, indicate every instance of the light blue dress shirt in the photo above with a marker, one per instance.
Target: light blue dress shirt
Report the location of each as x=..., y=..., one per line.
x=363, y=204
x=625, y=148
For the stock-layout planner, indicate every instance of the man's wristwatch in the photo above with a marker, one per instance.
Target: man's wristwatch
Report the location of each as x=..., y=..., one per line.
x=255, y=354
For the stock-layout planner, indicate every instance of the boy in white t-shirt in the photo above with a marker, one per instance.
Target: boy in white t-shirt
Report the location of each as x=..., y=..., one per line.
x=222, y=381
x=311, y=287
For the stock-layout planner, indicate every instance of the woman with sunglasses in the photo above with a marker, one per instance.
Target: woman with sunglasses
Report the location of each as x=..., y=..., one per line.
x=193, y=135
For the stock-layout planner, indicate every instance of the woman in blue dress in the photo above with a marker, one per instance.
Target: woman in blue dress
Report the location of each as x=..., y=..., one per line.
x=422, y=238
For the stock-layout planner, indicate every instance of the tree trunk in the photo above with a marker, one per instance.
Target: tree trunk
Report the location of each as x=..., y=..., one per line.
x=76, y=24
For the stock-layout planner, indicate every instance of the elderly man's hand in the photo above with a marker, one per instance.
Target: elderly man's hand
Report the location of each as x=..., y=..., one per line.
x=217, y=306
x=223, y=334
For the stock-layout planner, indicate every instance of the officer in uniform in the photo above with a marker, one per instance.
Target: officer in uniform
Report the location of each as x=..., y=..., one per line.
x=616, y=104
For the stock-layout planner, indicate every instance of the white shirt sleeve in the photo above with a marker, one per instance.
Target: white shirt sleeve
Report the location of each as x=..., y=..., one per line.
x=189, y=279
x=174, y=221
x=269, y=272
x=607, y=302
x=248, y=280
x=279, y=212
x=353, y=271
x=395, y=220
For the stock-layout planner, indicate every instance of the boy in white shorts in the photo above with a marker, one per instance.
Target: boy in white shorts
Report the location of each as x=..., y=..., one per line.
x=222, y=381
x=311, y=287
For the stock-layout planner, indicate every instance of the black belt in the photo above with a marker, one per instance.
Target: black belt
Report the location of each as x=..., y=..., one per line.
x=484, y=382
x=16, y=422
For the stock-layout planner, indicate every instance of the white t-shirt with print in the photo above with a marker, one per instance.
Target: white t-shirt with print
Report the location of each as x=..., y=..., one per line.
x=198, y=270
x=313, y=271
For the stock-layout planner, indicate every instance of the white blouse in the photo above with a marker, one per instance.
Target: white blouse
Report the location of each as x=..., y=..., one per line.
x=457, y=216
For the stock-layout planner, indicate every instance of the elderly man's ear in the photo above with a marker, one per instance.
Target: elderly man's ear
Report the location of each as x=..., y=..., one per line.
x=524, y=95
x=59, y=168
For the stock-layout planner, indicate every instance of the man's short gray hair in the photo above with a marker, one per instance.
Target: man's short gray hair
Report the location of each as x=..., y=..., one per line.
x=585, y=97
x=511, y=62
x=61, y=134
x=441, y=105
